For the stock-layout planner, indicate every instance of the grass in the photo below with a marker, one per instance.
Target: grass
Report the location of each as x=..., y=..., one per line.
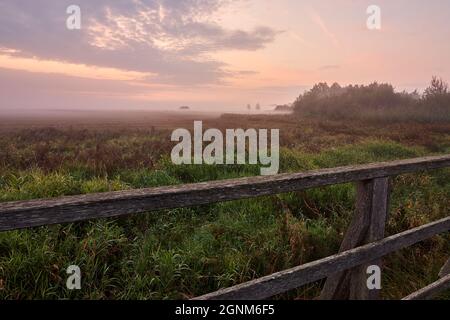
x=183, y=253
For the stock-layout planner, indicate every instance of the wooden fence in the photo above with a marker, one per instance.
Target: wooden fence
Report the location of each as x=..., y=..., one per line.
x=364, y=242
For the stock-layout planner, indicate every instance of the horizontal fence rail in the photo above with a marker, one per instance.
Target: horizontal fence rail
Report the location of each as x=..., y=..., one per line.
x=34, y=213
x=364, y=241
x=430, y=291
x=286, y=280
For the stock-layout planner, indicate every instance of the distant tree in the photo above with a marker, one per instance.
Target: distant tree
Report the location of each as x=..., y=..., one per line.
x=319, y=90
x=437, y=88
x=415, y=94
x=337, y=101
x=375, y=100
x=283, y=108
x=258, y=107
x=249, y=107
x=436, y=100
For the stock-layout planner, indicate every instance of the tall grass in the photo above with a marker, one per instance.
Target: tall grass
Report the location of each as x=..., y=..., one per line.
x=183, y=253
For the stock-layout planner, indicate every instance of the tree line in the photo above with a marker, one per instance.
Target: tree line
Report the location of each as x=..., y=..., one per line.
x=376, y=101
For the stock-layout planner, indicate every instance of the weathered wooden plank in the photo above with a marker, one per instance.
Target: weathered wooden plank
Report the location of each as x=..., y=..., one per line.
x=25, y=214
x=378, y=195
x=286, y=280
x=445, y=270
x=367, y=226
x=380, y=209
x=435, y=288
x=337, y=286
x=431, y=290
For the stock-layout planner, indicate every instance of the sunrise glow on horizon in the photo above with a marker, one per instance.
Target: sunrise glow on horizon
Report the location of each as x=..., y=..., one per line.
x=212, y=53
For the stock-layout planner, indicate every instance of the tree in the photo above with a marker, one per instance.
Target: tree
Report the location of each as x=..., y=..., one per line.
x=249, y=107
x=437, y=88
x=258, y=107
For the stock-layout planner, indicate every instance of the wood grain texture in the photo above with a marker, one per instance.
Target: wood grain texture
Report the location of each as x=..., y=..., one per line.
x=25, y=214
x=445, y=270
x=367, y=226
x=431, y=290
x=286, y=280
x=378, y=194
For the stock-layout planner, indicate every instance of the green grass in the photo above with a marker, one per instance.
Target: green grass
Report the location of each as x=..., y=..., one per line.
x=187, y=252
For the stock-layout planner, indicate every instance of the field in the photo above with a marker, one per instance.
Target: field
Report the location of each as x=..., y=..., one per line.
x=184, y=253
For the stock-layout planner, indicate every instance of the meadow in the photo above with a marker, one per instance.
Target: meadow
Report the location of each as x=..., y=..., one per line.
x=183, y=253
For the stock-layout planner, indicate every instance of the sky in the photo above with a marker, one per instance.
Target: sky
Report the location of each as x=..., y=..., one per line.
x=213, y=55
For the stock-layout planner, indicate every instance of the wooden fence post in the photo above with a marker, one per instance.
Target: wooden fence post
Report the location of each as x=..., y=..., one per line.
x=445, y=269
x=367, y=225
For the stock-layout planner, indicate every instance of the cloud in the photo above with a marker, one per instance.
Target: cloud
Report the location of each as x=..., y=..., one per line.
x=8, y=61
x=317, y=19
x=169, y=38
x=29, y=90
x=243, y=40
x=330, y=67
x=246, y=72
x=295, y=36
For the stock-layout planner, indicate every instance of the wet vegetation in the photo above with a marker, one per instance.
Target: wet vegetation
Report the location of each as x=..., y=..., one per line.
x=187, y=252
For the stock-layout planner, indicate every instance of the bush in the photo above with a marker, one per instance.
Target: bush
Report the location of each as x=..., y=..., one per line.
x=376, y=102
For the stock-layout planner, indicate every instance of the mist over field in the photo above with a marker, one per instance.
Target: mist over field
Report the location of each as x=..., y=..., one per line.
x=88, y=109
